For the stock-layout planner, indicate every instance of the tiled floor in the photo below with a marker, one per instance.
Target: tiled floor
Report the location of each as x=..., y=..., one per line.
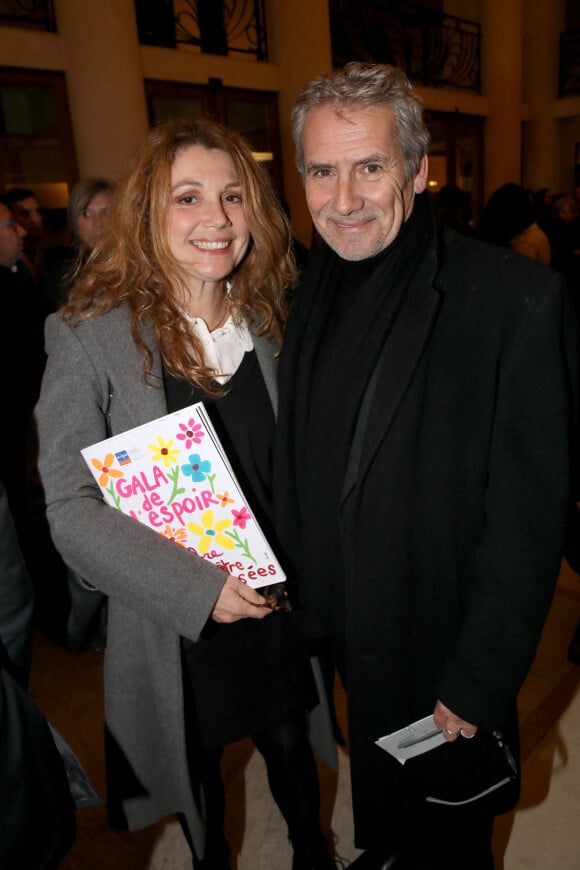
x=543, y=834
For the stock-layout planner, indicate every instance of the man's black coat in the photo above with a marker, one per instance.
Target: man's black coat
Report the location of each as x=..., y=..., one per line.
x=454, y=498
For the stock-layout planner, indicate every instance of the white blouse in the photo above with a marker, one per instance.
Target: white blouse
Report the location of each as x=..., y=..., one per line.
x=224, y=348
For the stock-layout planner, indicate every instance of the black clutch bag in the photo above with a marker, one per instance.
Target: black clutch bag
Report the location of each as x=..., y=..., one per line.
x=277, y=597
x=481, y=771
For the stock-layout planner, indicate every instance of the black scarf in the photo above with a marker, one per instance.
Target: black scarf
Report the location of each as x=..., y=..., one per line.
x=340, y=323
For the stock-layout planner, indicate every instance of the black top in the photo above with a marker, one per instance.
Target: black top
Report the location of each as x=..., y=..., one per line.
x=252, y=674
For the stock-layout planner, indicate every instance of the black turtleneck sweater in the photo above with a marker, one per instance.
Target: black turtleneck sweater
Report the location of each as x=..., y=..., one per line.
x=349, y=323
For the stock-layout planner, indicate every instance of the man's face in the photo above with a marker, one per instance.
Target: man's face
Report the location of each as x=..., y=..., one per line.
x=355, y=181
x=11, y=236
x=27, y=213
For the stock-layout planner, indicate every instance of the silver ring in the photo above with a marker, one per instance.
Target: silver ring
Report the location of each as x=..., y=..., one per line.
x=467, y=736
x=451, y=733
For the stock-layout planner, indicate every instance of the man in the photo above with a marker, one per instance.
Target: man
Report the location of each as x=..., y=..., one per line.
x=25, y=209
x=11, y=238
x=22, y=360
x=421, y=472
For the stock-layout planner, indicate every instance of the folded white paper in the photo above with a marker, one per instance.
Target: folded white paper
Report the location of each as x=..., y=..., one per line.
x=414, y=739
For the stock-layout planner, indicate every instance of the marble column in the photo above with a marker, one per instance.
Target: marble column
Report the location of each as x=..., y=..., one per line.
x=104, y=81
x=544, y=21
x=300, y=43
x=501, y=62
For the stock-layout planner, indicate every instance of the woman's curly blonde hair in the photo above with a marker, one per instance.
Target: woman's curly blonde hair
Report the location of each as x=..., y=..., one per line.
x=133, y=263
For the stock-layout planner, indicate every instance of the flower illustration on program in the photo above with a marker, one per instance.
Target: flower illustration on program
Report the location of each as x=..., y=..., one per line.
x=197, y=468
x=241, y=517
x=105, y=468
x=211, y=533
x=224, y=498
x=164, y=452
x=179, y=536
x=191, y=433
x=108, y=475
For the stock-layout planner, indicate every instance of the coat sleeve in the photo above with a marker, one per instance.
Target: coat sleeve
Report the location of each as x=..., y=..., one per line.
x=511, y=574
x=130, y=563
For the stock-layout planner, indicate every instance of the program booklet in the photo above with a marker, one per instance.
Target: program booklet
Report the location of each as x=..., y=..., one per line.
x=173, y=475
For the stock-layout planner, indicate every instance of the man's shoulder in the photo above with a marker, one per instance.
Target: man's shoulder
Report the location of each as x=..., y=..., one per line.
x=17, y=276
x=467, y=260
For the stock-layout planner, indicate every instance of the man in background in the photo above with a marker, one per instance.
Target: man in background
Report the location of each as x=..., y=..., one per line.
x=22, y=361
x=23, y=204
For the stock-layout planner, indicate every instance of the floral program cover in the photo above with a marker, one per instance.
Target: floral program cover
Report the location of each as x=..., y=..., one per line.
x=172, y=475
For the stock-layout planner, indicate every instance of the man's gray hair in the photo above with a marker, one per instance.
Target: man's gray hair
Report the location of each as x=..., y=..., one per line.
x=362, y=85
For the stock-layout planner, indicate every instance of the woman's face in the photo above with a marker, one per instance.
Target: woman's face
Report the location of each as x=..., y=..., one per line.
x=92, y=222
x=208, y=233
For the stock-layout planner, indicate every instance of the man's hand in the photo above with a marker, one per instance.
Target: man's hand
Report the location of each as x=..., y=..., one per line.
x=238, y=601
x=451, y=724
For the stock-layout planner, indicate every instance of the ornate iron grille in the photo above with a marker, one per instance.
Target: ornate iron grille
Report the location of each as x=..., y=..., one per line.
x=214, y=27
x=31, y=14
x=434, y=49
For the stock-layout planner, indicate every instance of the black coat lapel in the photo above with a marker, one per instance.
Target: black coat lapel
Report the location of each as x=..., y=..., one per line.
x=394, y=370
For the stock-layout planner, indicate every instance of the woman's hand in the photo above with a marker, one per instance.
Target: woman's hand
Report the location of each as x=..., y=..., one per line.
x=238, y=601
x=451, y=724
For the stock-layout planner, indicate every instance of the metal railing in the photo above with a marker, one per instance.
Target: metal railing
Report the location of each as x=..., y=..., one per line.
x=226, y=27
x=434, y=49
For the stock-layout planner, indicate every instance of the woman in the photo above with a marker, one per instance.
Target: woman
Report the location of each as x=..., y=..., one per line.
x=88, y=212
x=88, y=216
x=183, y=300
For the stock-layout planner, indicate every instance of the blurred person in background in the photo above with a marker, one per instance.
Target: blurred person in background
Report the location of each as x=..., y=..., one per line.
x=509, y=220
x=563, y=231
x=452, y=205
x=543, y=201
x=88, y=218
x=23, y=203
x=22, y=360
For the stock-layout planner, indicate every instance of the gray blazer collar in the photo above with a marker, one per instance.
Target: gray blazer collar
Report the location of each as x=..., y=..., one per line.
x=146, y=401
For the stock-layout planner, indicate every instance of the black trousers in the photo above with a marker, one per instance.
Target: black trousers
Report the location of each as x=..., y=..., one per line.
x=440, y=843
x=293, y=781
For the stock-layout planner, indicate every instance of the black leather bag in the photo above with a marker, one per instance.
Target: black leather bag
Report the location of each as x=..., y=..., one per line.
x=478, y=772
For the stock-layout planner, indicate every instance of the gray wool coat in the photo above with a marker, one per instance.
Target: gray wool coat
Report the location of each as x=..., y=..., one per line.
x=94, y=387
